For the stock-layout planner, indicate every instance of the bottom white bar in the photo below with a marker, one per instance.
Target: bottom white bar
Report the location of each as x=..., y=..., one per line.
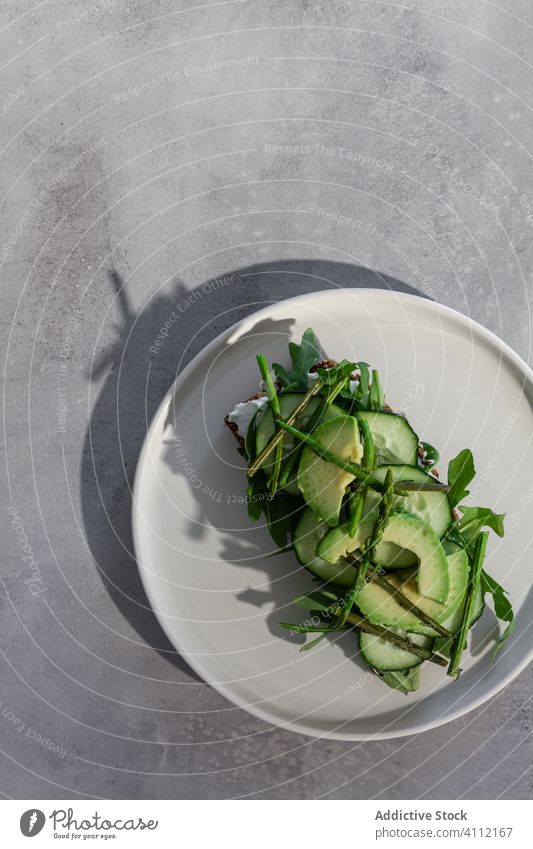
x=262, y=824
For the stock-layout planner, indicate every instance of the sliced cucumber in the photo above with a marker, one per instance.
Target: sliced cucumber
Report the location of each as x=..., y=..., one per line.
x=264, y=428
x=322, y=484
x=381, y=654
x=394, y=439
x=307, y=535
x=432, y=507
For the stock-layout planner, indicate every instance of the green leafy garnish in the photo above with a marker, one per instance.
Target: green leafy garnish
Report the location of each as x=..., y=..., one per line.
x=461, y=472
x=376, y=395
x=431, y=455
x=474, y=581
x=361, y=390
x=473, y=520
x=406, y=681
x=281, y=513
x=256, y=494
x=303, y=357
x=249, y=443
x=341, y=371
x=502, y=607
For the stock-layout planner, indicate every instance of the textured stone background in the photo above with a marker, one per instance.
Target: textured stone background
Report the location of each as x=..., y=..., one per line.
x=138, y=154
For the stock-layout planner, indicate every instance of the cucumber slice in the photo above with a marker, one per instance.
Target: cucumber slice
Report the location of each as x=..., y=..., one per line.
x=432, y=507
x=383, y=655
x=307, y=535
x=394, y=439
x=323, y=484
x=264, y=428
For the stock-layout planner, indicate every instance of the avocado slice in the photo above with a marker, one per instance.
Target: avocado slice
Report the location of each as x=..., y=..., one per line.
x=407, y=531
x=307, y=535
x=321, y=483
x=338, y=543
x=382, y=609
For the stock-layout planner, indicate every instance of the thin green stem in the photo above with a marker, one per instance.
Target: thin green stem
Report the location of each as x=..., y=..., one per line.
x=473, y=584
x=371, y=544
x=395, y=639
x=362, y=624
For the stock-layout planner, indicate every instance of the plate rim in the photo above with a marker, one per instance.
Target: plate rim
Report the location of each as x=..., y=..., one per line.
x=296, y=726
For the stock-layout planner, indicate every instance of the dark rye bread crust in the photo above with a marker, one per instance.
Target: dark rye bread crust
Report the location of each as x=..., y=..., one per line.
x=234, y=428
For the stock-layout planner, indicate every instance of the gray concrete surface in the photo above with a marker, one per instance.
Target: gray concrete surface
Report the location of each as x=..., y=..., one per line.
x=154, y=146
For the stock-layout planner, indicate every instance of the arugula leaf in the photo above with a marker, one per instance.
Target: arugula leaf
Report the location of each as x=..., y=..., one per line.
x=314, y=642
x=502, y=607
x=329, y=376
x=303, y=357
x=281, y=514
x=406, y=681
x=473, y=520
x=249, y=442
x=256, y=493
x=461, y=472
x=361, y=392
x=431, y=455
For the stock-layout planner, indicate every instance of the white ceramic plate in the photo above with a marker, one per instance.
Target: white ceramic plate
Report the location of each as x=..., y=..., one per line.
x=205, y=566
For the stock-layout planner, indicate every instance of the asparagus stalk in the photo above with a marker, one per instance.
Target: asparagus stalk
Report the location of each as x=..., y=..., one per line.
x=407, y=604
x=355, y=510
x=254, y=467
x=371, y=544
x=363, y=624
x=369, y=458
x=396, y=639
x=475, y=577
x=276, y=414
x=357, y=498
